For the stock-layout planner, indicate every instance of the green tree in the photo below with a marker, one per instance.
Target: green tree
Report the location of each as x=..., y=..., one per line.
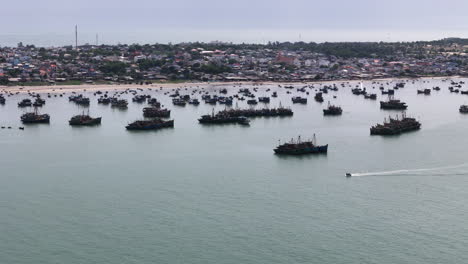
x=114, y=67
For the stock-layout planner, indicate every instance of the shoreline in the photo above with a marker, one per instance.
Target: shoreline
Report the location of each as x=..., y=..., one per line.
x=57, y=88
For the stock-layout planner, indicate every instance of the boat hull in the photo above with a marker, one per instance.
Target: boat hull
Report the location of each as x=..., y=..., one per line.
x=93, y=122
x=151, y=126
x=303, y=151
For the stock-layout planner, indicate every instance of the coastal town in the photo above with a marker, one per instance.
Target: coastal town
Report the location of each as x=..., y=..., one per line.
x=218, y=61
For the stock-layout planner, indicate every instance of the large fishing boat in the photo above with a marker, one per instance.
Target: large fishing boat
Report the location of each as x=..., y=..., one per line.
x=396, y=126
x=121, y=104
x=265, y=112
x=150, y=124
x=393, y=104
x=219, y=118
x=332, y=110
x=299, y=147
x=156, y=112
x=84, y=120
x=35, y=117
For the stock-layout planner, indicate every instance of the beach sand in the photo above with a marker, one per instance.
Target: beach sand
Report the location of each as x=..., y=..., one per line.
x=57, y=88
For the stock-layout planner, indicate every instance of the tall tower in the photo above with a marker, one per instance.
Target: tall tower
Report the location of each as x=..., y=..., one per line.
x=76, y=37
x=97, y=39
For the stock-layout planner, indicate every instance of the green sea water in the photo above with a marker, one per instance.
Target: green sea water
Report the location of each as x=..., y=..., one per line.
x=218, y=194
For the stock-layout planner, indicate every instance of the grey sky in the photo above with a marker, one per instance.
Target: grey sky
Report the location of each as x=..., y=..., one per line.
x=51, y=22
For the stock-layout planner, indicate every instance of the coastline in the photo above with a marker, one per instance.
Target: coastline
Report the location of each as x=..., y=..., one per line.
x=57, y=88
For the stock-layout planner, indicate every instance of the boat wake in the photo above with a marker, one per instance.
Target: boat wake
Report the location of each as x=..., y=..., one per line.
x=461, y=169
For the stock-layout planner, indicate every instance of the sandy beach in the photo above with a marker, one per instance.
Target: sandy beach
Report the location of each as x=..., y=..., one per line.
x=57, y=88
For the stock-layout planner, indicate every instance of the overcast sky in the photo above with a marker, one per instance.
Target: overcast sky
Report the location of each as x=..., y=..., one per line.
x=51, y=22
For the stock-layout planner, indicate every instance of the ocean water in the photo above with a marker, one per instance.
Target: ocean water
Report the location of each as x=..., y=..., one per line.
x=218, y=194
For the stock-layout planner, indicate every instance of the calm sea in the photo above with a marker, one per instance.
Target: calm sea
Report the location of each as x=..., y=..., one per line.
x=218, y=194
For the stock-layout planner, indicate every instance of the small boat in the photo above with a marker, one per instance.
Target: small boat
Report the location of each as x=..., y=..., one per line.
x=463, y=109
x=252, y=102
x=194, y=102
x=299, y=100
x=179, y=102
x=348, y=175
x=25, y=103
x=425, y=91
x=243, y=121
x=121, y=104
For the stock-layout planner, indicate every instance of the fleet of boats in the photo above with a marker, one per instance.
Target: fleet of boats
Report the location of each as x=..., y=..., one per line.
x=156, y=116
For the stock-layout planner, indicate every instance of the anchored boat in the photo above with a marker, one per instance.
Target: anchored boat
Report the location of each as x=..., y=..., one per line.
x=35, y=118
x=150, y=124
x=299, y=147
x=84, y=120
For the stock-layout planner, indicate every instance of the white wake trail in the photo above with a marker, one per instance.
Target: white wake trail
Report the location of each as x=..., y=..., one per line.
x=407, y=172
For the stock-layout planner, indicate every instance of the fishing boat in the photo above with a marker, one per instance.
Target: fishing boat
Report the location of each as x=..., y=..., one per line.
x=82, y=101
x=318, y=97
x=84, y=120
x=243, y=121
x=194, y=102
x=396, y=126
x=219, y=118
x=154, y=102
x=299, y=147
x=121, y=104
x=464, y=109
x=154, y=124
x=252, y=102
x=393, y=104
x=35, y=118
x=179, y=102
x=389, y=92
x=299, y=100
x=156, y=112
x=425, y=91
x=38, y=102
x=104, y=100
x=25, y=103
x=139, y=98
x=332, y=110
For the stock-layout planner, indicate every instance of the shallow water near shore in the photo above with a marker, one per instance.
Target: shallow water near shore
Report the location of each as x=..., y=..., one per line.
x=218, y=194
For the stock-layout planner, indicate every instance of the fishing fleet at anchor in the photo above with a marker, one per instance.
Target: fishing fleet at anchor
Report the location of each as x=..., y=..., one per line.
x=156, y=116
